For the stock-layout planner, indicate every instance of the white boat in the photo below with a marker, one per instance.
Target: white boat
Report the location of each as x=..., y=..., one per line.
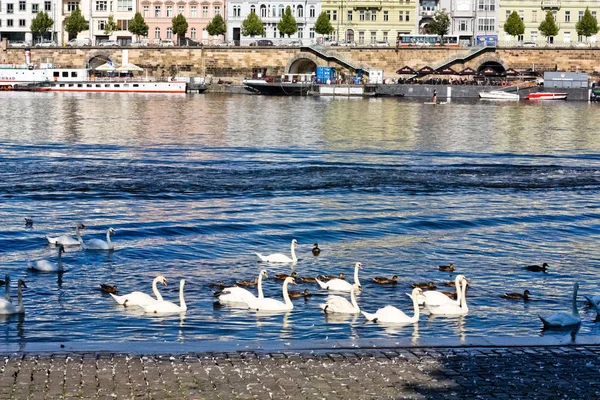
x=498, y=95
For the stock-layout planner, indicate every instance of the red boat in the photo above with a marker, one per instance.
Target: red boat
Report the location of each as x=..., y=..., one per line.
x=546, y=96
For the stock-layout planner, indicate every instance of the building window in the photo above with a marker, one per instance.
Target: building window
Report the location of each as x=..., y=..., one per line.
x=567, y=16
x=253, y=9
x=157, y=33
x=47, y=6
x=124, y=5
x=123, y=24
x=522, y=15
x=373, y=37
x=534, y=16
x=361, y=37
x=462, y=26
x=594, y=14
x=567, y=37
x=374, y=16
x=487, y=5
x=311, y=33
x=328, y=13
x=580, y=15
x=194, y=11
x=101, y=5
x=335, y=15
x=72, y=6
x=312, y=13
x=508, y=12
x=169, y=33
x=385, y=36
x=385, y=16
x=146, y=11
x=534, y=36
x=9, y=23
x=263, y=11
x=486, y=24
x=407, y=16
x=181, y=10
x=35, y=8
x=101, y=25
x=22, y=6
x=205, y=11
x=10, y=10
x=349, y=15
x=361, y=15
x=169, y=11
x=157, y=11
x=217, y=10
x=280, y=11
x=400, y=16
x=193, y=33
x=300, y=12
x=300, y=34
x=21, y=23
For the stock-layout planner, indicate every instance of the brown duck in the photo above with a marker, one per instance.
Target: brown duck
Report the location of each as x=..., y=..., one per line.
x=448, y=268
x=308, y=279
x=325, y=278
x=109, y=288
x=384, y=281
x=316, y=250
x=537, y=268
x=282, y=277
x=296, y=295
x=220, y=285
x=517, y=296
x=425, y=285
x=251, y=283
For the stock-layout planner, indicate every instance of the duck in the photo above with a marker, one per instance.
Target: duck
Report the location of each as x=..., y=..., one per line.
x=238, y=295
x=316, y=250
x=448, y=268
x=282, y=277
x=220, y=285
x=537, y=268
x=8, y=308
x=341, y=285
x=452, y=308
x=425, y=285
x=106, y=288
x=391, y=314
x=451, y=295
x=139, y=298
x=168, y=307
x=47, y=266
x=67, y=240
x=339, y=304
x=99, y=244
x=28, y=223
x=517, y=296
x=561, y=319
x=268, y=304
x=325, y=278
x=385, y=281
x=307, y=279
x=434, y=298
x=296, y=295
x=278, y=257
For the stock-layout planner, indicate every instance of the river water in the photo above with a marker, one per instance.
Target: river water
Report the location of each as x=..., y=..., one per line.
x=195, y=185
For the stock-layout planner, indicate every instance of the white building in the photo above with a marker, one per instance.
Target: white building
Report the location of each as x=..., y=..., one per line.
x=16, y=16
x=305, y=12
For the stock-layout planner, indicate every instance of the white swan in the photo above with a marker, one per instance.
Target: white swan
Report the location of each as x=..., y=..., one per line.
x=340, y=285
x=47, y=266
x=390, y=314
x=452, y=308
x=66, y=240
x=237, y=294
x=267, y=304
x=165, y=307
x=560, y=320
x=99, y=244
x=141, y=299
x=278, y=257
x=434, y=298
x=339, y=304
x=7, y=287
x=8, y=308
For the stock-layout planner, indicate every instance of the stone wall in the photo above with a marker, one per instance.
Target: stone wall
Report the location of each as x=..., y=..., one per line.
x=234, y=63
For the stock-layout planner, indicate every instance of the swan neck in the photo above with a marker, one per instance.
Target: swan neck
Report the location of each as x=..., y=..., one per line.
x=575, y=310
x=463, y=295
x=181, y=299
x=260, y=291
x=294, y=253
x=155, y=290
x=353, y=300
x=415, y=317
x=108, y=237
x=356, y=276
x=286, y=296
x=6, y=293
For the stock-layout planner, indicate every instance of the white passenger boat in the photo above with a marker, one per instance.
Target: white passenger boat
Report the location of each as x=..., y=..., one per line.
x=498, y=95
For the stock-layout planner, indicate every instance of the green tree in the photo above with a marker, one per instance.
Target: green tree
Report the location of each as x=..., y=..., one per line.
x=548, y=26
x=180, y=27
x=216, y=26
x=588, y=25
x=514, y=25
x=287, y=25
x=75, y=23
x=138, y=26
x=41, y=23
x=252, y=26
x=440, y=24
x=323, y=25
x=110, y=26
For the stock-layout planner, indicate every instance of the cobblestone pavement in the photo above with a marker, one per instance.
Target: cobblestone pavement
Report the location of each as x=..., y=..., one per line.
x=415, y=373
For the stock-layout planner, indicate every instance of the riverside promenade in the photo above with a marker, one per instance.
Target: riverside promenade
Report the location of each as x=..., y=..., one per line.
x=534, y=368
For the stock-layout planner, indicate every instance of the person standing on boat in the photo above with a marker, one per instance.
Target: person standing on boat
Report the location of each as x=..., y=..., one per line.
x=434, y=96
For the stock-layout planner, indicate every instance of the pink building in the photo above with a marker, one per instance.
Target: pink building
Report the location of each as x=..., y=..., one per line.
x=159, y=15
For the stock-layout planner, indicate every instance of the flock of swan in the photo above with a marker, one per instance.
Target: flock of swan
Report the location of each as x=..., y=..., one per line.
x=436, y=303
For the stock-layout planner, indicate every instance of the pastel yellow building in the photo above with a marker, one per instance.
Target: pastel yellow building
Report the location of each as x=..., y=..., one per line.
x=371, y=22
x=566, y=14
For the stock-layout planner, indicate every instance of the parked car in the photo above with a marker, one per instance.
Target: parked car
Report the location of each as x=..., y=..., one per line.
x=18, y=43
x=109, y=43
x=166, y=43
x=379, y=43
x=262, y=42
x=79, y=42
x=529, y=44
x=45, y=43
x=141, y=43
x=295, y=43
x=348, y=43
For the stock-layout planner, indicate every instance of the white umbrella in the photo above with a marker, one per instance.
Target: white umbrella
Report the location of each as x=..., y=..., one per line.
x=106, y=67
x=129, y=67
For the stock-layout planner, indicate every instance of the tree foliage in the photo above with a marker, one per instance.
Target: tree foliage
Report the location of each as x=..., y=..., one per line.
x=252, y=25
x=138, y=25
x=180, y=26
x=41, y=23
x=514, y=25
x=110, y=26
x=588, y=25
x=323, y=25
x=440, y=24
x=76, y=23
x=548, y=26
x=287, y=25
x=216, y=26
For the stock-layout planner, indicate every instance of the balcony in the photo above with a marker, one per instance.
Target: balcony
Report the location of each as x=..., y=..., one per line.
x=550, y=5
x=365, y=5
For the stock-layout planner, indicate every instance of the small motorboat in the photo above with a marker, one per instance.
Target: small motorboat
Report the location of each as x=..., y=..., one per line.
x=498, y=95
x=546, y=96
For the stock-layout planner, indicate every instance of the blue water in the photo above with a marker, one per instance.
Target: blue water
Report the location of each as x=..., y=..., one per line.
x=194, y=185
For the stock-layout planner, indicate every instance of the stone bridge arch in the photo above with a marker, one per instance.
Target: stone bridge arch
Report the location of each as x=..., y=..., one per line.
x=491, y=61
x=302, y=63
x=97, y=57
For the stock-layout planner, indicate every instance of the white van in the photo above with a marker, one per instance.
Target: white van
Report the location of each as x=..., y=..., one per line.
x=79, y=42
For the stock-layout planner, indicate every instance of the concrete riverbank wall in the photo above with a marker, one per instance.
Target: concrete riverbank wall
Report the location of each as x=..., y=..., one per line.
x=235, y=63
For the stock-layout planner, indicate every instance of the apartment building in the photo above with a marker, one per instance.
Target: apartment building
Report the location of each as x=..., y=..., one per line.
x=16, y=16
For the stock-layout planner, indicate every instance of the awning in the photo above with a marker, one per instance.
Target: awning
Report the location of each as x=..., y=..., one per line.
x=467, y=71
x=426, y=70
x=129, y=67
x=106, y=67
x=445, y=71
x=511, y=72
x=488, y=71
x=406, y=70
